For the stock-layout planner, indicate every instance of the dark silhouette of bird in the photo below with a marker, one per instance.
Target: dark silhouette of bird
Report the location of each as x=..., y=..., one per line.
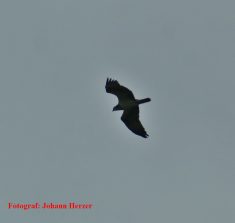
x=129, y=105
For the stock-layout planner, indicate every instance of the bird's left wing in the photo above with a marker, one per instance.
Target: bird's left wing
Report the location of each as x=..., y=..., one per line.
x=130, y=117
x=123, y=93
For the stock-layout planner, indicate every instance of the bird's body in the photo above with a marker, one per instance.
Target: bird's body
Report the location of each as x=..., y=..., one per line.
x=127, y=104
x=130, y=106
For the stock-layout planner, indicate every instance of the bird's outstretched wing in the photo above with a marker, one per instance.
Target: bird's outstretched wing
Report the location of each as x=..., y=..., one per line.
x=123, y=93
x=131, y=119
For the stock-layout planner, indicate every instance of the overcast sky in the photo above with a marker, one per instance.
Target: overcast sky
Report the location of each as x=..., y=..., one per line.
x=60, y=140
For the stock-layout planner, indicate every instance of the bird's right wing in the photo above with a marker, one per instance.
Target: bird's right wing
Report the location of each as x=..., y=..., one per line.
x=130, y=117
x=123, y=93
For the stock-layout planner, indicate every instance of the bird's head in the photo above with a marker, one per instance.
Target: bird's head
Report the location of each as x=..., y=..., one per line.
x=117, y=108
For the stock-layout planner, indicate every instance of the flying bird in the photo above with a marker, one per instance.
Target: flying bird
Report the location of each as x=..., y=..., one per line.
x=129, y=105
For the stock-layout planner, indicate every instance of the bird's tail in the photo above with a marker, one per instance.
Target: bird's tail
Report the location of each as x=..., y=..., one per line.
x=141, y=101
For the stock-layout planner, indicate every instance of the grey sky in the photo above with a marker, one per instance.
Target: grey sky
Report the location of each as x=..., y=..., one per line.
x=60, y=140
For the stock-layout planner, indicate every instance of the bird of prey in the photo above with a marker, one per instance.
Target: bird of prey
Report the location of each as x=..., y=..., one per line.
x=129, y=105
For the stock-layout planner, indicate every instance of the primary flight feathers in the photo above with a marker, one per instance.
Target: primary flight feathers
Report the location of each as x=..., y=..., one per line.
x=129, y=105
